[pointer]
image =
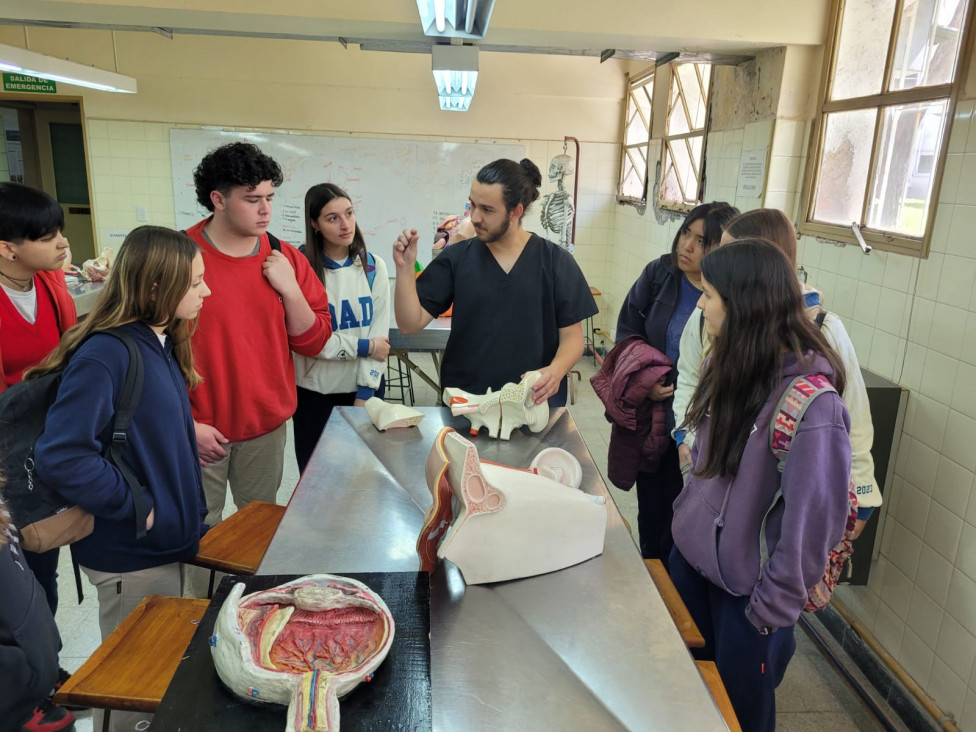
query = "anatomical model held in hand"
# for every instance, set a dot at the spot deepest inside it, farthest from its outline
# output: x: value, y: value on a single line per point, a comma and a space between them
x: 304, y: 644
x: 499, y: 523
x: 502, y: 411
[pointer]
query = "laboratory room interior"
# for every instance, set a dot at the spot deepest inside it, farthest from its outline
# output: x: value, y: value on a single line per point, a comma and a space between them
x: 853, y: 117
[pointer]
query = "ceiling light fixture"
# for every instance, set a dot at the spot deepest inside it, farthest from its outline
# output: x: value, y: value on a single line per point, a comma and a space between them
x: 455, y: 18
x: 456, y: 74
x: 31, y: 63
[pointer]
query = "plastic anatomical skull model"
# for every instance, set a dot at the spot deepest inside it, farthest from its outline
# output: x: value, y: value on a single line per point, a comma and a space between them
x: 502, y: 411
x: 304, y: 644
x: 499, y: 523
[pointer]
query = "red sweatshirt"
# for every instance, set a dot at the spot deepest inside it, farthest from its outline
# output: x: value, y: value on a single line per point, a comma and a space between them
x: 241, y: 345
x: 23, y: 345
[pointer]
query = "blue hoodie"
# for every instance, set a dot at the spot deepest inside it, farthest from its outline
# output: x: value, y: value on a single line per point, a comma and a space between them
x: 717, y: 520
x: 161, y: 449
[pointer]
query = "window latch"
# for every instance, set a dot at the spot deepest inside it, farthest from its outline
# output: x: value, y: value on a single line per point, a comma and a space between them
x: 865, y: 247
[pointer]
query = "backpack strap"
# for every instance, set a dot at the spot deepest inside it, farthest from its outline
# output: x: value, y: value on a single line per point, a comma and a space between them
x: 782, y: 427
x: 660, y: 277
x: 370, y: 270
x: 127, y: 406
x: 274, y: 241
x: 821, y: 317
x: 790, y: 410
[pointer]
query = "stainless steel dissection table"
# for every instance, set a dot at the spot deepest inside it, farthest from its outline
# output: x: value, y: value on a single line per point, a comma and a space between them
x: 591, y: 647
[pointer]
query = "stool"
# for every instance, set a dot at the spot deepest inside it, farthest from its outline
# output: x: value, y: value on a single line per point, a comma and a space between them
x: 398, y: 377
x: 709, y: 672
x: 676, y: 606
x: 237, y: 545
x: 133, y: 667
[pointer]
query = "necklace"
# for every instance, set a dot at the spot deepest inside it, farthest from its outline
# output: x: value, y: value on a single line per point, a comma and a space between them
x: 24, y: 285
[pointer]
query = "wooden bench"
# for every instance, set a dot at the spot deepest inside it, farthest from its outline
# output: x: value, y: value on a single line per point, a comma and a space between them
x: 713, y: 681
x: 132, y: 669
x: 237, y: 544
x: 676, y: 606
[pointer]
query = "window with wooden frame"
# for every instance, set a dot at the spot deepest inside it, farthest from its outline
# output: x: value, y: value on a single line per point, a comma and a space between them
x: 632, y: 187
x: 683, y: 145
x: 879, y: 144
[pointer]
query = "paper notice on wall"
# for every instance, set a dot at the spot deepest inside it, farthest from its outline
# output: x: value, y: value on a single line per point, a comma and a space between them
x: 113, y: 238
x: 752, y: 174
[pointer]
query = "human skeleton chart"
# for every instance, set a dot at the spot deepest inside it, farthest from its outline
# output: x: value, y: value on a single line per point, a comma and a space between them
x: 557, y: 207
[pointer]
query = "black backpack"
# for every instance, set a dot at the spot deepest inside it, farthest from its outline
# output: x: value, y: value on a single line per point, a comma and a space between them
x: 45, y: 519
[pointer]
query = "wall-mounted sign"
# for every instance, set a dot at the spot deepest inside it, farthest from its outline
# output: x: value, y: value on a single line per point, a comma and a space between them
x: 752, y: 174
x: 30, y: 84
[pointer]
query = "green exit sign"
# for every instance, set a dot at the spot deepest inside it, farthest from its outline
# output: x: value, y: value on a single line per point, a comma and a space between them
x: 31, y: 84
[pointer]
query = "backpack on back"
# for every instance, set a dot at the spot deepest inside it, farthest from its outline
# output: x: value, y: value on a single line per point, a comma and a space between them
x: 782, y: 428
x: 45, y: 519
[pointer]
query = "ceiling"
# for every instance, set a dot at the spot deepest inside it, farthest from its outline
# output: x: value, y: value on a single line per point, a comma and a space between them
x: 720, y: 31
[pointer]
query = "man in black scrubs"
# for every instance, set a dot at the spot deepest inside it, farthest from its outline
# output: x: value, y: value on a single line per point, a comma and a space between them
x: 519, y: 300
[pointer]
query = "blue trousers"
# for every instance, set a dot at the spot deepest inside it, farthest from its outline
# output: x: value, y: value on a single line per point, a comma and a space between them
x: 751, y: 665
x: 656, y: 493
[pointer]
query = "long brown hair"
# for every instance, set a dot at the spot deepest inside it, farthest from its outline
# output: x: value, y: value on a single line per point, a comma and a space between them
x: 764, y: 316
x: 770, y: 224
x: 151, y: 274
x: 315, y: 200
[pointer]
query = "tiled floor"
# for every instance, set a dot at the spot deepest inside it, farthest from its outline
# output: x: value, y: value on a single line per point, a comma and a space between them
x: 812, y: 696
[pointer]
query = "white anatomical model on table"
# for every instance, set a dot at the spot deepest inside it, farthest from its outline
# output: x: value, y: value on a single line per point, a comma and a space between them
x: 502, y: 411
x: 389, y: 416
x: 499, y: 523
x: 303, y: 644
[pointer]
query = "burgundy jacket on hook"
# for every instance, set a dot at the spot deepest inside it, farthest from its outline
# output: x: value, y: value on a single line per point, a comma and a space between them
x: 639, y: 436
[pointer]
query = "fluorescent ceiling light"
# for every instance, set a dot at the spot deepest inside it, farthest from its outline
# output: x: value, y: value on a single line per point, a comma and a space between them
x: 456, y: 74
x: 455, y: 18
x: 31, y: 63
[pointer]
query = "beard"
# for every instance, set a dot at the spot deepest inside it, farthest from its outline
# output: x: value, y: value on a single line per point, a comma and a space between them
x: 490, y: 236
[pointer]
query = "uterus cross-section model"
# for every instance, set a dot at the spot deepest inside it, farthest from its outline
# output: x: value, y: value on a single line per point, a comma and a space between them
x: 302, y: 644
x: 498, y: 523
x: 503, y: 411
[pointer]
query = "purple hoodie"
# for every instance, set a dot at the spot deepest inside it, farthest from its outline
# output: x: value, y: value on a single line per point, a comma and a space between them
x: 716, y: 520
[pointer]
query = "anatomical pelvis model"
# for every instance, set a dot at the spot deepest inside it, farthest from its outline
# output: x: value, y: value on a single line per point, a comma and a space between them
x: 499, y: 523
x: 304, y: 644
x: 502, y: 411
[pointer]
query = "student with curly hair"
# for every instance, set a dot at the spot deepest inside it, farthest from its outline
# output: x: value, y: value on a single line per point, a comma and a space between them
x: 267, y: 302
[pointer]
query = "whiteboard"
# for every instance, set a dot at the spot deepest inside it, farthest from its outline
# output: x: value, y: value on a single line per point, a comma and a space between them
x: 393, y: 184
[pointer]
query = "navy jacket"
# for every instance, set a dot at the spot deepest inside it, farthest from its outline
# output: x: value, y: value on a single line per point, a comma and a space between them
x: 161, y: 449
x: 28, y: 637
x: 639, y: 315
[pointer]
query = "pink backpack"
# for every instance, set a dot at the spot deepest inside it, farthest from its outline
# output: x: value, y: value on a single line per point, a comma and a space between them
x: 800, y: 394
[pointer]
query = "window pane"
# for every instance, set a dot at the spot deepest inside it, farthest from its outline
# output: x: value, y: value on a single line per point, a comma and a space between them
x: 928, y: 39
x: 862, y: 51
x: 636, y: 129
x: 633, y: 172
x: 844, y: 167
x: 677, y: 119
x: 901, y: 185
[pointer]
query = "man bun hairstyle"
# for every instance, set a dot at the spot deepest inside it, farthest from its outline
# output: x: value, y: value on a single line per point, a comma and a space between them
x: 233, y: 165
x: 519, y: 181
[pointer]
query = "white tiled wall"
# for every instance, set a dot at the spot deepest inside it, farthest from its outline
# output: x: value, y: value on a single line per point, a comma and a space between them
x: 914, y: 321
x: 130, y: 167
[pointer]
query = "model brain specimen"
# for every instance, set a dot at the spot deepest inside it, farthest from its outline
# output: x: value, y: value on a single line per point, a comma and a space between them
x: 304, y: 644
